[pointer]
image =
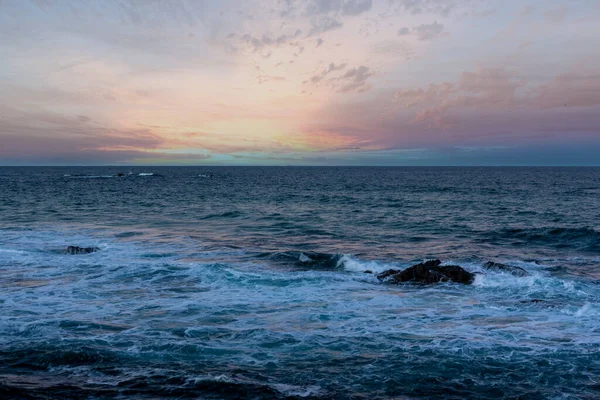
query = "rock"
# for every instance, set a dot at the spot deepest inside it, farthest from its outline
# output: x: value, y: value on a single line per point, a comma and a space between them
x: 367, y: 271
x: 80, y: 250
x: 427, y: 273
x: 457, y: 274
x: 494, y: 266
x: 387, y: 273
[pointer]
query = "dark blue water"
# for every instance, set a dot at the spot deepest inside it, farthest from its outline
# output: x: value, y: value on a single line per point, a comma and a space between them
x: 250, y: 283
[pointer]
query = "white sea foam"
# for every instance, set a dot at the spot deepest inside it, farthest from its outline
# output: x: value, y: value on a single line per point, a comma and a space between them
x: 241, y: 312
x: 353, y: 264
x: 300, y: 391
x: 588, y: 310
x: 12, y: 251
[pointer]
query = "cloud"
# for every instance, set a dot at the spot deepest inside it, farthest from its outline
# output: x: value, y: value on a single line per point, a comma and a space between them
x: 80, y: 131
x: 267, y: 78
x: 556, y: 15
x: 323, y: 6
x: 56, y: 139
x: 424, y: 31
x: 496, y: 90
x: 403, y: 31
x: 527, y: 11
x: 393, y: 49
x: 569, y: 90
x: 266, y: 41
x: 488, y: 12
x: 344, y: 7
x: 331, y: 68
x: 355, y: 79
x: 415, y: 7
x: 485, y: 88
x: 323, y: 24
x: 428, y: 31
x: 356, y: 7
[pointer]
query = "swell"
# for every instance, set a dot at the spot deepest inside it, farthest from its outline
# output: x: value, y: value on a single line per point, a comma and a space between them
x: 46, y: 372
x: 304, y: 259
x: 582, y: 239
x: 151, y: 387
x: 403, y: 365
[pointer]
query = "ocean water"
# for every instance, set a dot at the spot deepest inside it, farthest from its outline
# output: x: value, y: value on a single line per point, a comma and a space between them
x: 254, y: 282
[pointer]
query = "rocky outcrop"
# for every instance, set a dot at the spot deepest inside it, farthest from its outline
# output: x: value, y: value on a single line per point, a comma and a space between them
x: 80, y: 250
x: 497, y: 267
x: 427, y: 273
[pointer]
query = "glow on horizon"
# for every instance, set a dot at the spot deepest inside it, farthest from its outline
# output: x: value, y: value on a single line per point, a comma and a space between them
x: 316, y: 82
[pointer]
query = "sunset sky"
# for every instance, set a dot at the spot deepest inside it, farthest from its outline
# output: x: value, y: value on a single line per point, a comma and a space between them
x: 282, y: 82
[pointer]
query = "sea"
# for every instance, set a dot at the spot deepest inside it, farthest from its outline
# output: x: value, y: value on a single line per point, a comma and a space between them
x: 261, y: 283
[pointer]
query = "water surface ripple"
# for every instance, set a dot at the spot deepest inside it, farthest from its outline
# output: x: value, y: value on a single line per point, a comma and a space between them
x: 204, y: 286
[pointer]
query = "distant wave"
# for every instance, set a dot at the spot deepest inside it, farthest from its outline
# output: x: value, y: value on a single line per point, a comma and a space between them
x: 89, y: 176
x: 227, y: 214
x: 585, y: 238
x: 308, y: 259
x: 119, y: 175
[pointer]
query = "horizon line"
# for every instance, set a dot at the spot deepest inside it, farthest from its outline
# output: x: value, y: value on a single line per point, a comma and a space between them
x: 297, y: 166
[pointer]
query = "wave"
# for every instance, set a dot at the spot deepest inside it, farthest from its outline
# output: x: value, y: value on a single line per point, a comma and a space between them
x: 119, y: 175
x: 227, y: 214
x: 164, y: 386
x: 584, y: 239
x: 55, y: 372
x: 89, y: 176
x: 328, y: 261
x: 308, y: 259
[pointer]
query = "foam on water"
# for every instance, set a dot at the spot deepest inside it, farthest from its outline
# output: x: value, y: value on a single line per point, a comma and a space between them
x: 252, y: 316
x: 353, y: 264
x: 245, y: 298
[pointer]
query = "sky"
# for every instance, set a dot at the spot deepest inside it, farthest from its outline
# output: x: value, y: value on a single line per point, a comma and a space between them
x: 316, y: 82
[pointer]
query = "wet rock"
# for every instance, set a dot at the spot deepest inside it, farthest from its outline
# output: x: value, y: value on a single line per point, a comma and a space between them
x: 457, y: 274
x: 428, y: 272
x: 387, y: 273
x: 498, y: 267
x: 367, y: 271
x: 80, y: 250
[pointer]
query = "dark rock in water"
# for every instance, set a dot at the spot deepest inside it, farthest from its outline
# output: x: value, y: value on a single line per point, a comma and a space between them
x: 80, y: 250
x: 494, y: 266
x: 457, y: 274
x: 367, y: 271
x: 533, y: 301
x: 386, y: 274
x: 427, y: 273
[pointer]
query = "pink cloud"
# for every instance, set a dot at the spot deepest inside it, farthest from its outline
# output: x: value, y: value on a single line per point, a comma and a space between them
x: 569, y: 90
